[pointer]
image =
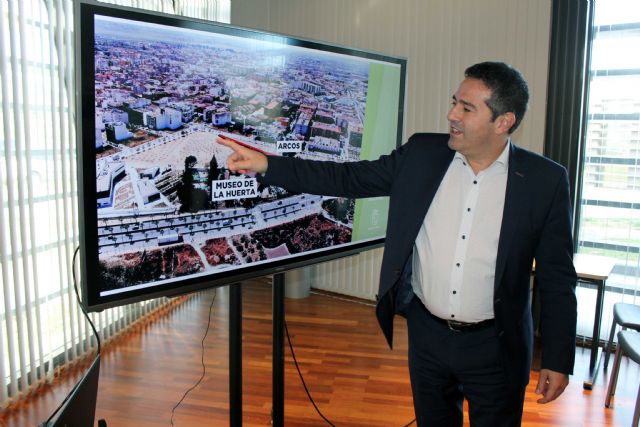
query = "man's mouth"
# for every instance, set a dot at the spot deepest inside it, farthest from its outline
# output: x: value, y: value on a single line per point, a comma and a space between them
x: 454, y: 131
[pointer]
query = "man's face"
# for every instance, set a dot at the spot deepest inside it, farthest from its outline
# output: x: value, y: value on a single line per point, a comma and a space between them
x: 472, y: 132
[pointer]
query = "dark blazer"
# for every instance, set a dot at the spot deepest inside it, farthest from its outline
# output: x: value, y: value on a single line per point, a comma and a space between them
x: 536, y: 224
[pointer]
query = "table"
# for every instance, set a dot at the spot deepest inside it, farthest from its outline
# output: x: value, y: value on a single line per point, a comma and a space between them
x: 594, y: 269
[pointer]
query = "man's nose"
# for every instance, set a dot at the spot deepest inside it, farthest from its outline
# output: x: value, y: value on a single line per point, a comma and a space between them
x: 453, y: 114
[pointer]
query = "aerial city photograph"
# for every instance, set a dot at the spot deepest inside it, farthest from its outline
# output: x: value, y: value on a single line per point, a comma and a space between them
x: 167, y: 206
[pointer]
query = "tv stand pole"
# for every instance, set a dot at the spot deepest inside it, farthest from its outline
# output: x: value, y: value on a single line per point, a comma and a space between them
x: 235, y: 355
x: 277, y: 409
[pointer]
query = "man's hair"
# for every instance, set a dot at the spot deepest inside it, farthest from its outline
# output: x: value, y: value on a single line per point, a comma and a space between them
x: 509, y: 90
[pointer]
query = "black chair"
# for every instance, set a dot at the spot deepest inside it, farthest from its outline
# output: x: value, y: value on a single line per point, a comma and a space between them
x: 625, y: 315
x: 629, y: 345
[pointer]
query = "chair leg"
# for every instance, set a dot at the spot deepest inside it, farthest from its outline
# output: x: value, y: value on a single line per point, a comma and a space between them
x: 609, y: 344
x: 636, y: 413
x: 611, y: 390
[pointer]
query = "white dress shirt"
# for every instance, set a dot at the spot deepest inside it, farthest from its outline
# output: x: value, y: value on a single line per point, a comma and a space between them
x: 454, y: 256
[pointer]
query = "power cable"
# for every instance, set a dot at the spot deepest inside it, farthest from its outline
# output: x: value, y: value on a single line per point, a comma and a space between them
x: 204, y: 368
x: 304, y: 384
x: 95, y: 332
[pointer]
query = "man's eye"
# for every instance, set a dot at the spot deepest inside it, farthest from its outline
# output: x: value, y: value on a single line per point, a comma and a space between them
x: 466, y: 109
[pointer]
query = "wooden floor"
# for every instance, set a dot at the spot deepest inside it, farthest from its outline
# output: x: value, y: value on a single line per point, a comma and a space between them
x: 354, y: 378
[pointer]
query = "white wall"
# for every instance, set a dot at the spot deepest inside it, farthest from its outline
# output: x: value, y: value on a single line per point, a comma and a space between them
x: 440, y: 38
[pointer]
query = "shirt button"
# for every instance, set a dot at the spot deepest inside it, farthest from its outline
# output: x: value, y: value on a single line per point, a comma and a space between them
x: 468, y: 209
x: 453, y: 315
x: 457, y: 264
x: 455, y: 292
x: 475, y: 182
x: 464, y: 237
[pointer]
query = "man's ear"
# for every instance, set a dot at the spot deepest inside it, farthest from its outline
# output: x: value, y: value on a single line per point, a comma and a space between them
x: 504, y: 122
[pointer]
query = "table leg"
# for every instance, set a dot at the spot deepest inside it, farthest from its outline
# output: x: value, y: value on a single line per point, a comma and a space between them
x: 594, y: 359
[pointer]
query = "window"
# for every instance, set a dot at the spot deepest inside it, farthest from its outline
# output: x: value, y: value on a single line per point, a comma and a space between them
x: 610, y: 199
x: 41, y: 325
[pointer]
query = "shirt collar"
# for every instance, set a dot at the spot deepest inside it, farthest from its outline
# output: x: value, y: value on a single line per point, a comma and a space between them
x: 502, y: 162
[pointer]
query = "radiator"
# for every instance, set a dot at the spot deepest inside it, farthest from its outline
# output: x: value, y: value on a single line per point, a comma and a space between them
x: 355, y: 276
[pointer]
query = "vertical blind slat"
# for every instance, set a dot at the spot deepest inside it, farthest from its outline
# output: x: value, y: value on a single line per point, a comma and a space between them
x: 55, y: 106
x: 26, y: 200
x: 63, y: 96
x: 19, y: 251
x: 17, y: 352
x: 55, y: 25
x: 43, y: 356
x: 84, y: 331
x: 3, y: 252
x: 3, y: 228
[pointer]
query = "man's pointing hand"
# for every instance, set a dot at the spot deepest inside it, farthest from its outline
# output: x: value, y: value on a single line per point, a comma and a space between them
x: 243, y: 159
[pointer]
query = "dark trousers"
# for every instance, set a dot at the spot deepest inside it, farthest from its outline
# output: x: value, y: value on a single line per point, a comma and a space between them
x: 446, y: 367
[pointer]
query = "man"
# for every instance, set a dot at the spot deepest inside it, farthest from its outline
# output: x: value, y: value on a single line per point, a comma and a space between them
x: 469, y: 212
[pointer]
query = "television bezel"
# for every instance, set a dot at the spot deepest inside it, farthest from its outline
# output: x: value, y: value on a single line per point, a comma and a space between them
x: 85, y: 79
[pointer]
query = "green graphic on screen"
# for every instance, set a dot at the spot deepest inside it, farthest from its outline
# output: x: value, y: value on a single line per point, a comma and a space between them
x: 370, y: 217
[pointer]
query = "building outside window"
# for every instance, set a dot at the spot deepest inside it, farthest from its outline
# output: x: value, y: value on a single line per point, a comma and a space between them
x: 609, y: 202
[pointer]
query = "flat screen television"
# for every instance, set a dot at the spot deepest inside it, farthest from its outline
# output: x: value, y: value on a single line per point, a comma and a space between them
x: 79, y: 408
x: 160, y: 213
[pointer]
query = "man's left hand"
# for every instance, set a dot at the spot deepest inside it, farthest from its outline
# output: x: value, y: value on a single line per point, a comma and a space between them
x: 551, y: 384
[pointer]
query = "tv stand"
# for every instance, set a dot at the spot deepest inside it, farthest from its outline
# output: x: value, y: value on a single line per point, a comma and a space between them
x: 235, y: 353
x: 277, y: 393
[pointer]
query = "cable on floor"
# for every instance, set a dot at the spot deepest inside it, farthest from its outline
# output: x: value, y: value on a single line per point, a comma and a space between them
x: 304, y: 384
x: 204, y: 368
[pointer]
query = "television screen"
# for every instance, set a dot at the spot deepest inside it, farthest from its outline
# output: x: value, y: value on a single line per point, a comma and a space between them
x: 160, y: 213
